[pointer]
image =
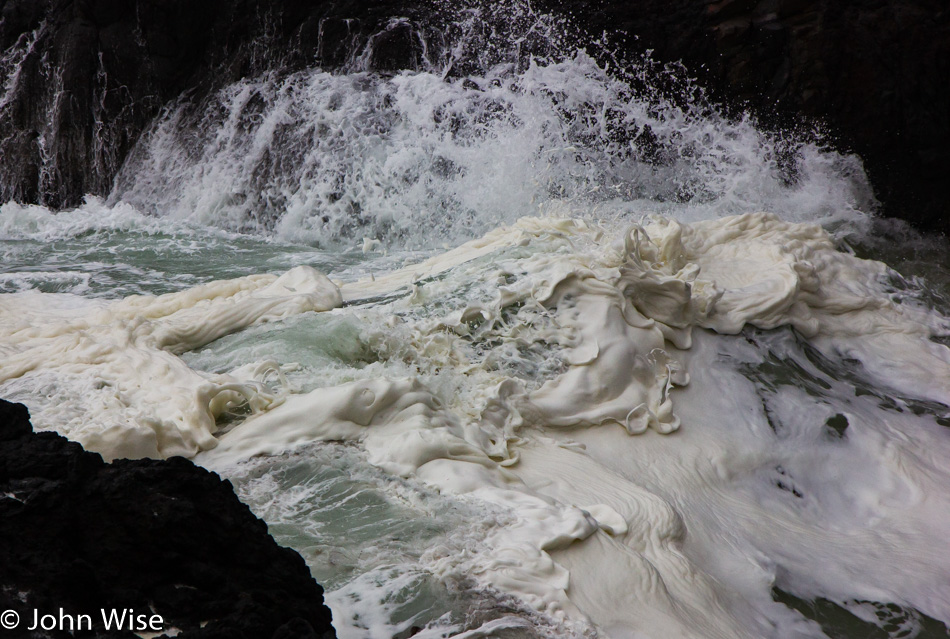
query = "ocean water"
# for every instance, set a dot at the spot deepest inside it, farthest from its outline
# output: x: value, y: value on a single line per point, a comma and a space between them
x: 530, y: 341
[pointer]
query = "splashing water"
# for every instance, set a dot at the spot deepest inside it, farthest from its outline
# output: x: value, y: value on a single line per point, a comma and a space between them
x: 325, y: 158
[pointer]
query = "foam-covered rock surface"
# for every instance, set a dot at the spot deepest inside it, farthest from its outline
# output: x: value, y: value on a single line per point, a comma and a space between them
x: 160, y: 537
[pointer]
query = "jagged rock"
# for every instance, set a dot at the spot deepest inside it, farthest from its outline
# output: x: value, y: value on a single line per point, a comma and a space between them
x: 156, y: 536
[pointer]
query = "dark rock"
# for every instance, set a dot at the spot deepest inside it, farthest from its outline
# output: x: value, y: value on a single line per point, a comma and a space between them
x: 86, y: 77
x: 163, y: 536
x: 398, y: 46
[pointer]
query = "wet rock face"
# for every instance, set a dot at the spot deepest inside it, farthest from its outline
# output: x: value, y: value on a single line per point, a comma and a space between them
x: 163, y: 537
x: 81, y: 79
x: 91, y: 74
x: 874, y: 71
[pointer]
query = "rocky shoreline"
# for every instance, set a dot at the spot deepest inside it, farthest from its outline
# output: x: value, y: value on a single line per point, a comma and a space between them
x: 168, y: 538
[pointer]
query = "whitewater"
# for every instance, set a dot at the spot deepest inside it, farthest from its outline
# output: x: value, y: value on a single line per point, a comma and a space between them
x: 533, y: 349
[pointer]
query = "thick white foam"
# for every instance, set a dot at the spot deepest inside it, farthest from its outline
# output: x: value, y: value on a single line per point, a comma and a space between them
x: 139, y: 399
x: 526, y: 391
x: 638, y: 535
